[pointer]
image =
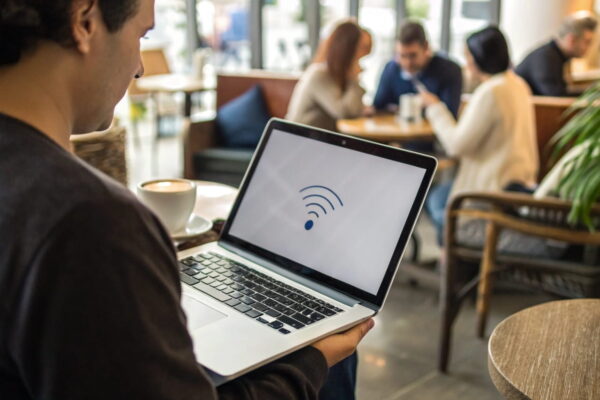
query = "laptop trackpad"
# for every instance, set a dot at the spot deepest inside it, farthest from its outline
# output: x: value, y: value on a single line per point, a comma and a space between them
x: 198, y: 313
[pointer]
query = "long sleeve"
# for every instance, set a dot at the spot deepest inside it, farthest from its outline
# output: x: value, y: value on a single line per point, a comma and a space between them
x: 452, y: 90
x: 337, y: 103
x: 102, y: 319
x: 385, y: 90
x: 463, y: 137
x: 297, y: 376
x: 549, y: 78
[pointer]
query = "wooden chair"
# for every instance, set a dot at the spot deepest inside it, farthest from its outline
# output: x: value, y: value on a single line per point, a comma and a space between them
x: 526, y: 217
x: 104, y: 150
x: 155, y: 63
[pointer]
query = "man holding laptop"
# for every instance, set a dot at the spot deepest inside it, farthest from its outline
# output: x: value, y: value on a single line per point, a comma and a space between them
x: 92, y: 303
x: 89, y: 281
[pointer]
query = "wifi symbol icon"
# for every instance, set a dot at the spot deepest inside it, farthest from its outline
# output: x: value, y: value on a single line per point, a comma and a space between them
x: 318, y: 200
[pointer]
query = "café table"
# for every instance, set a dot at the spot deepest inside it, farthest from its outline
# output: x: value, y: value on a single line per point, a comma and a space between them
x: 213, y: 202
x: 386, y: 128
x: 550, y: 351
x: 175, y: 83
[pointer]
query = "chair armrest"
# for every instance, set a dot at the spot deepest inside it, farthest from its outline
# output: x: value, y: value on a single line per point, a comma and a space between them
x: 544, y: 217
x: 198, y: 134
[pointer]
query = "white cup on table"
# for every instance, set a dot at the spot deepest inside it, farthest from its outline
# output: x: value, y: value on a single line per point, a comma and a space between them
x: 172, y: 200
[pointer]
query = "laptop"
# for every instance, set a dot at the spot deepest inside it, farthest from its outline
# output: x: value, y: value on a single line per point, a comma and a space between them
x: 310, y: 248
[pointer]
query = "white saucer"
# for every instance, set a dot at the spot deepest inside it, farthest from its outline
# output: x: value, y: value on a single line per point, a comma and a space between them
x: 196, y: 226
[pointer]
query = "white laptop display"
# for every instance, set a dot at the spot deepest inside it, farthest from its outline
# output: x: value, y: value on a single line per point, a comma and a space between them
x: 310, y: 248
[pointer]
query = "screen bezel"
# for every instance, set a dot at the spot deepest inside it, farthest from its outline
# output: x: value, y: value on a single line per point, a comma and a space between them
x: 426, y: 162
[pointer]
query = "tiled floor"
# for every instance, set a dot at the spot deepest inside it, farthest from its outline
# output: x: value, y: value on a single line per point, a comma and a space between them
x: 398, y: 357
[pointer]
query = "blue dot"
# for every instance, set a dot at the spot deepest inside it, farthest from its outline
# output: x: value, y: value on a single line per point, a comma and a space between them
x: 308, y: 225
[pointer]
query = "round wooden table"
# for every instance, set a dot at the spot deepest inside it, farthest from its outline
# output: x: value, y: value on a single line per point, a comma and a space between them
x: 550, y: 352
x: 173, y: 83
x: 386, y: 128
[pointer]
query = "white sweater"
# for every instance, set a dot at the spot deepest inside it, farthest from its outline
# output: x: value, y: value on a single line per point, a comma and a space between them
x: 494, y: 139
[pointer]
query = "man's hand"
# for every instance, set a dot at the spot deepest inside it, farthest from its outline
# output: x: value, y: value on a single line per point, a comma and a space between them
x: 339, y: 346
x: 427, y: 97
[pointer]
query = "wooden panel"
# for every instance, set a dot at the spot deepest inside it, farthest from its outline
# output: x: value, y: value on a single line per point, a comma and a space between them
x: 549, y: 118
x: 277, y: 89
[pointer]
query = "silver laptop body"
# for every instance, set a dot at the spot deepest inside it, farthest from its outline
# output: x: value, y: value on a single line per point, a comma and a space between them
x: 311, y: 246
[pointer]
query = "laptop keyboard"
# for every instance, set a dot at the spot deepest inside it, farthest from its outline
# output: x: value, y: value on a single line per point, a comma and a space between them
x: 259, y: 296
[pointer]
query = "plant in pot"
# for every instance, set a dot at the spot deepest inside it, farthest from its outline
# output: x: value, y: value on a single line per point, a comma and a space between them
x: 580, y: 181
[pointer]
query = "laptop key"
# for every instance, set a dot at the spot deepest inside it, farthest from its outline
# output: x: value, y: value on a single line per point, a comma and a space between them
x: 260, y: 307
x: 288, y: 311
x: 243, y: 308
x: 316, y: 317
x: 232, y: 302
x: 190, y: 271
x: 272, y: 313
x: 215, y: 284
x: 305, y: 320
x: 247, y: 292
x: 262, y: 320
x: 247, y: 300
x: 298, y: 307
x: 290, y: 321
x: 236, y: 295
x: 253, y: 313
x: 211, y: 291
x: 275, y: 324
x: 208, y: 281
x: 284, y: 331
x: 227, y: 290
x: 325, y: 311
x: 188, y: 261
x: 258, y: 297
x: 188, y: 279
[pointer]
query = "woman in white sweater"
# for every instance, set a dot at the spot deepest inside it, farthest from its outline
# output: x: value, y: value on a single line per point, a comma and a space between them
x: 329, y: 89
x: 495, y: 139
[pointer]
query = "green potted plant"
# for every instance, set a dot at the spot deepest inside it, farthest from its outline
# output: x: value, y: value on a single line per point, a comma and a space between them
x: 581, y: 181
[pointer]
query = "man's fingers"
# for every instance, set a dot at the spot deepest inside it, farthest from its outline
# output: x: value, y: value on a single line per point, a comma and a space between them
x: 359, y: 331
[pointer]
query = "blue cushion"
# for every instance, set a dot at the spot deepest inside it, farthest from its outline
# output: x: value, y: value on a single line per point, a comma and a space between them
x: 240, y: 122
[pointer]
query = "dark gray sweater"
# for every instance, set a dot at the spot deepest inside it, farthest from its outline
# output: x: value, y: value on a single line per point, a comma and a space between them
x: 90, y: 295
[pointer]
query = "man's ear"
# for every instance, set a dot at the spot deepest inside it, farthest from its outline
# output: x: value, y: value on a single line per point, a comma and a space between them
x: 85, y: 21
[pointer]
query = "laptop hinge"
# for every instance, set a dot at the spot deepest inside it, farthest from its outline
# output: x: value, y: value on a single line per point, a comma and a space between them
x: 332, y: 293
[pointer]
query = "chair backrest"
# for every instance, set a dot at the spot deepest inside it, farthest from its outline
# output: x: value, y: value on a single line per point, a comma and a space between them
x: 155, y: 63
x: 549, y: 118
x: 104, y: 150
x: 277, y: 88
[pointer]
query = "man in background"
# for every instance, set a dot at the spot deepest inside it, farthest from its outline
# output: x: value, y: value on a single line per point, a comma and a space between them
x: 416, y: 64
x: 544, y: 68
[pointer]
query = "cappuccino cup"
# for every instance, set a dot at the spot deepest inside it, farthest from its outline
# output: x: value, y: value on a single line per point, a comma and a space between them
x: 172, y: 200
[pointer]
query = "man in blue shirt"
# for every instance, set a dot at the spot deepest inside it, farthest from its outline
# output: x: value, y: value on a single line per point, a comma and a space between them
x: 416, y: 64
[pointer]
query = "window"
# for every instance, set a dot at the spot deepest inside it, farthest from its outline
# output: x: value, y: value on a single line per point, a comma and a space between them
x: 224, y: 27
x: 429, y: 13
x: 169, y: 32
x: 285, y: 35
x: 332, y: 11
x: 468, y: 16
x: 379, y: 17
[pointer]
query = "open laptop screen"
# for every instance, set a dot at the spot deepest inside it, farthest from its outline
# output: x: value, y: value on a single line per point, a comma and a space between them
x: 335, y: 210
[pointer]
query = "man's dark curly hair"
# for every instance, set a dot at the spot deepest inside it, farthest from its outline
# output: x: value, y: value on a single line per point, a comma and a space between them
x: 25, y: 22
